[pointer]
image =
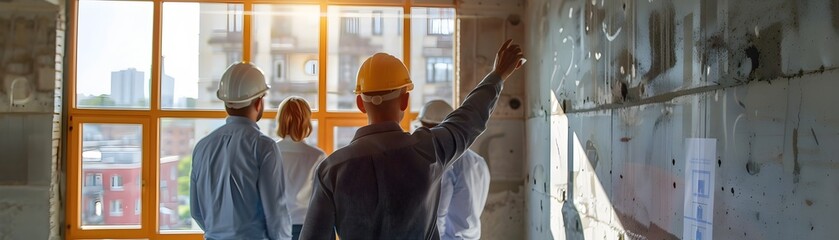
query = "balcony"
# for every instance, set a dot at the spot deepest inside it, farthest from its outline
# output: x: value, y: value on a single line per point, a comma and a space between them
x: 91, y: 191
x: 224, y: 37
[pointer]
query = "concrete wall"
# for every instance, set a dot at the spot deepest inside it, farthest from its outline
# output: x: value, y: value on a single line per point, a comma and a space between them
x: 483, y: 27
x: 30, y: 118
x: 622, y: 85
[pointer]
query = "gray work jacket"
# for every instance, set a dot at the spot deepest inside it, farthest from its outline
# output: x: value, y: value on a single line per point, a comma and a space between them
x: 386, y: 183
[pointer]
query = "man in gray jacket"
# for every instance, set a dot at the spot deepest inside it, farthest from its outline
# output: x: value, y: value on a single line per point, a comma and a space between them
x: 386, y: 183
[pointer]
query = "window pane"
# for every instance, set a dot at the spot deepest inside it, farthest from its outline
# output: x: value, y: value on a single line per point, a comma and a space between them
x: 269, y: 127
x: 177, y: 139
x: 286, y: 40
x: 432, y: 54
x: 343, y: 136
x: 199, y: 41
x: 112, y: 165
x: 114, y: 61
x: 351, y: 39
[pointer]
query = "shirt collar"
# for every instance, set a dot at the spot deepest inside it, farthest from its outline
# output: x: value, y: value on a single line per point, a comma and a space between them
x: 241, y: 120
x: 288, y: 140
x: 376, y: 128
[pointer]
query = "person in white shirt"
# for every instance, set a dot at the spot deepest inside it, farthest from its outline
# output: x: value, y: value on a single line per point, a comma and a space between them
x: 299, y: 159
x: 464, y: 187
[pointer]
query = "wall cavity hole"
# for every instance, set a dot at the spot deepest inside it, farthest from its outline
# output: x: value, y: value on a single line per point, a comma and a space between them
x: 514, y: 19
x: 515, y: 103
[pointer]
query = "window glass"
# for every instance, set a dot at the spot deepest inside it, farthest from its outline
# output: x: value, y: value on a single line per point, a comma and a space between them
x: 432, y: 55
x: 286, y: 40
x: 178, y: 137
x: 199, y: 41
x: 343, y: 135
x: 109, y: 74
x: 113, y: 151
x: 351, y: 39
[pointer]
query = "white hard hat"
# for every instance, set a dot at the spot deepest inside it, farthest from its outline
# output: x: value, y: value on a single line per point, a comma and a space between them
x: 241, y: 83
x: 434, y: 111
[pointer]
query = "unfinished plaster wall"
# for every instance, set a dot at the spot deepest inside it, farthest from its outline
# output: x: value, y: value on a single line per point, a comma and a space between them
x: 31, y: 54
x: 621, y: 85
x: 483, y: 27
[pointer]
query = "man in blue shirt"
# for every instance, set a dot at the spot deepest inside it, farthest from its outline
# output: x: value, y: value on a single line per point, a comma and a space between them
x: 236, y: 185
x: 464, y: 187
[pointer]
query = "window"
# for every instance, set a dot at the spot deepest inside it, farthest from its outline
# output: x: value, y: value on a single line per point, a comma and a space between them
x: 234, y: 23
x: 378, y: 23
x: 432, y: 65
x: 289, y: 51
x: 440, y: 21
x: 311, y: 67
x: 399, y: 26
x: 197, y: 46
x: 97, y: 206
x: 116, y: 208
x: 164, y: 191
x: 439, y: 69
x: 100, y: 82
x: 143, y: 96
x: 137, y: 207
x: 116, y: 182
x: 349, y: 24
x: 93, y: 180
x: 278, y: 71
x: 348, y: 49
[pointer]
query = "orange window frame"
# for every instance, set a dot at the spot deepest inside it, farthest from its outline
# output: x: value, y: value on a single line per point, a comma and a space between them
x: 149, y: 118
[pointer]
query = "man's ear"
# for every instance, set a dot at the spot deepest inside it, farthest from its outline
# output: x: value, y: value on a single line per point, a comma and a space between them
x: 258, y: 104
x: 404, y: 100
x: 360, y: 104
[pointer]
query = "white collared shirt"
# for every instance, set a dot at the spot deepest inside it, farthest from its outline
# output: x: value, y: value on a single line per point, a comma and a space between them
x: 299, y: 162
x: 463, y: 193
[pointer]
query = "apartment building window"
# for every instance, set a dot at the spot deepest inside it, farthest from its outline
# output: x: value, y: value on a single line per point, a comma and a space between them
x: 93, y: 179
x: 440, y: 21
x: 349, y: 23
x: 234, y: 23
x: 311, y: 67
x: 116, y: 182
x: 279, y: 70
x: 116, y: 208
x: 439, y: 69
x: 164, y: 190
x: 137, y: 118
x: 137, y: 207
x: 378, y: 23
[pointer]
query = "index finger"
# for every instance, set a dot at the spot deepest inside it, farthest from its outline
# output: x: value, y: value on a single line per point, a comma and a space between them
x: 505, y: 45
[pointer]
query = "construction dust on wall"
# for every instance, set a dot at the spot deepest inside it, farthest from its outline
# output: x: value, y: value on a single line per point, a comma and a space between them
x: 634, y: 80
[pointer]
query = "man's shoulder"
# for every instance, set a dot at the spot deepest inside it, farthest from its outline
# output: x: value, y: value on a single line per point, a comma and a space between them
x: 472, y: 154
x: 469, y: 159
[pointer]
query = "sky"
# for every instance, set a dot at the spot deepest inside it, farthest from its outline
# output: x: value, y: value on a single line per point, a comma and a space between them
x: 115, y: 36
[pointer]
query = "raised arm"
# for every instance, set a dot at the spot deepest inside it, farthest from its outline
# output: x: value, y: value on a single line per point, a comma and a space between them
x: 457, y: 132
